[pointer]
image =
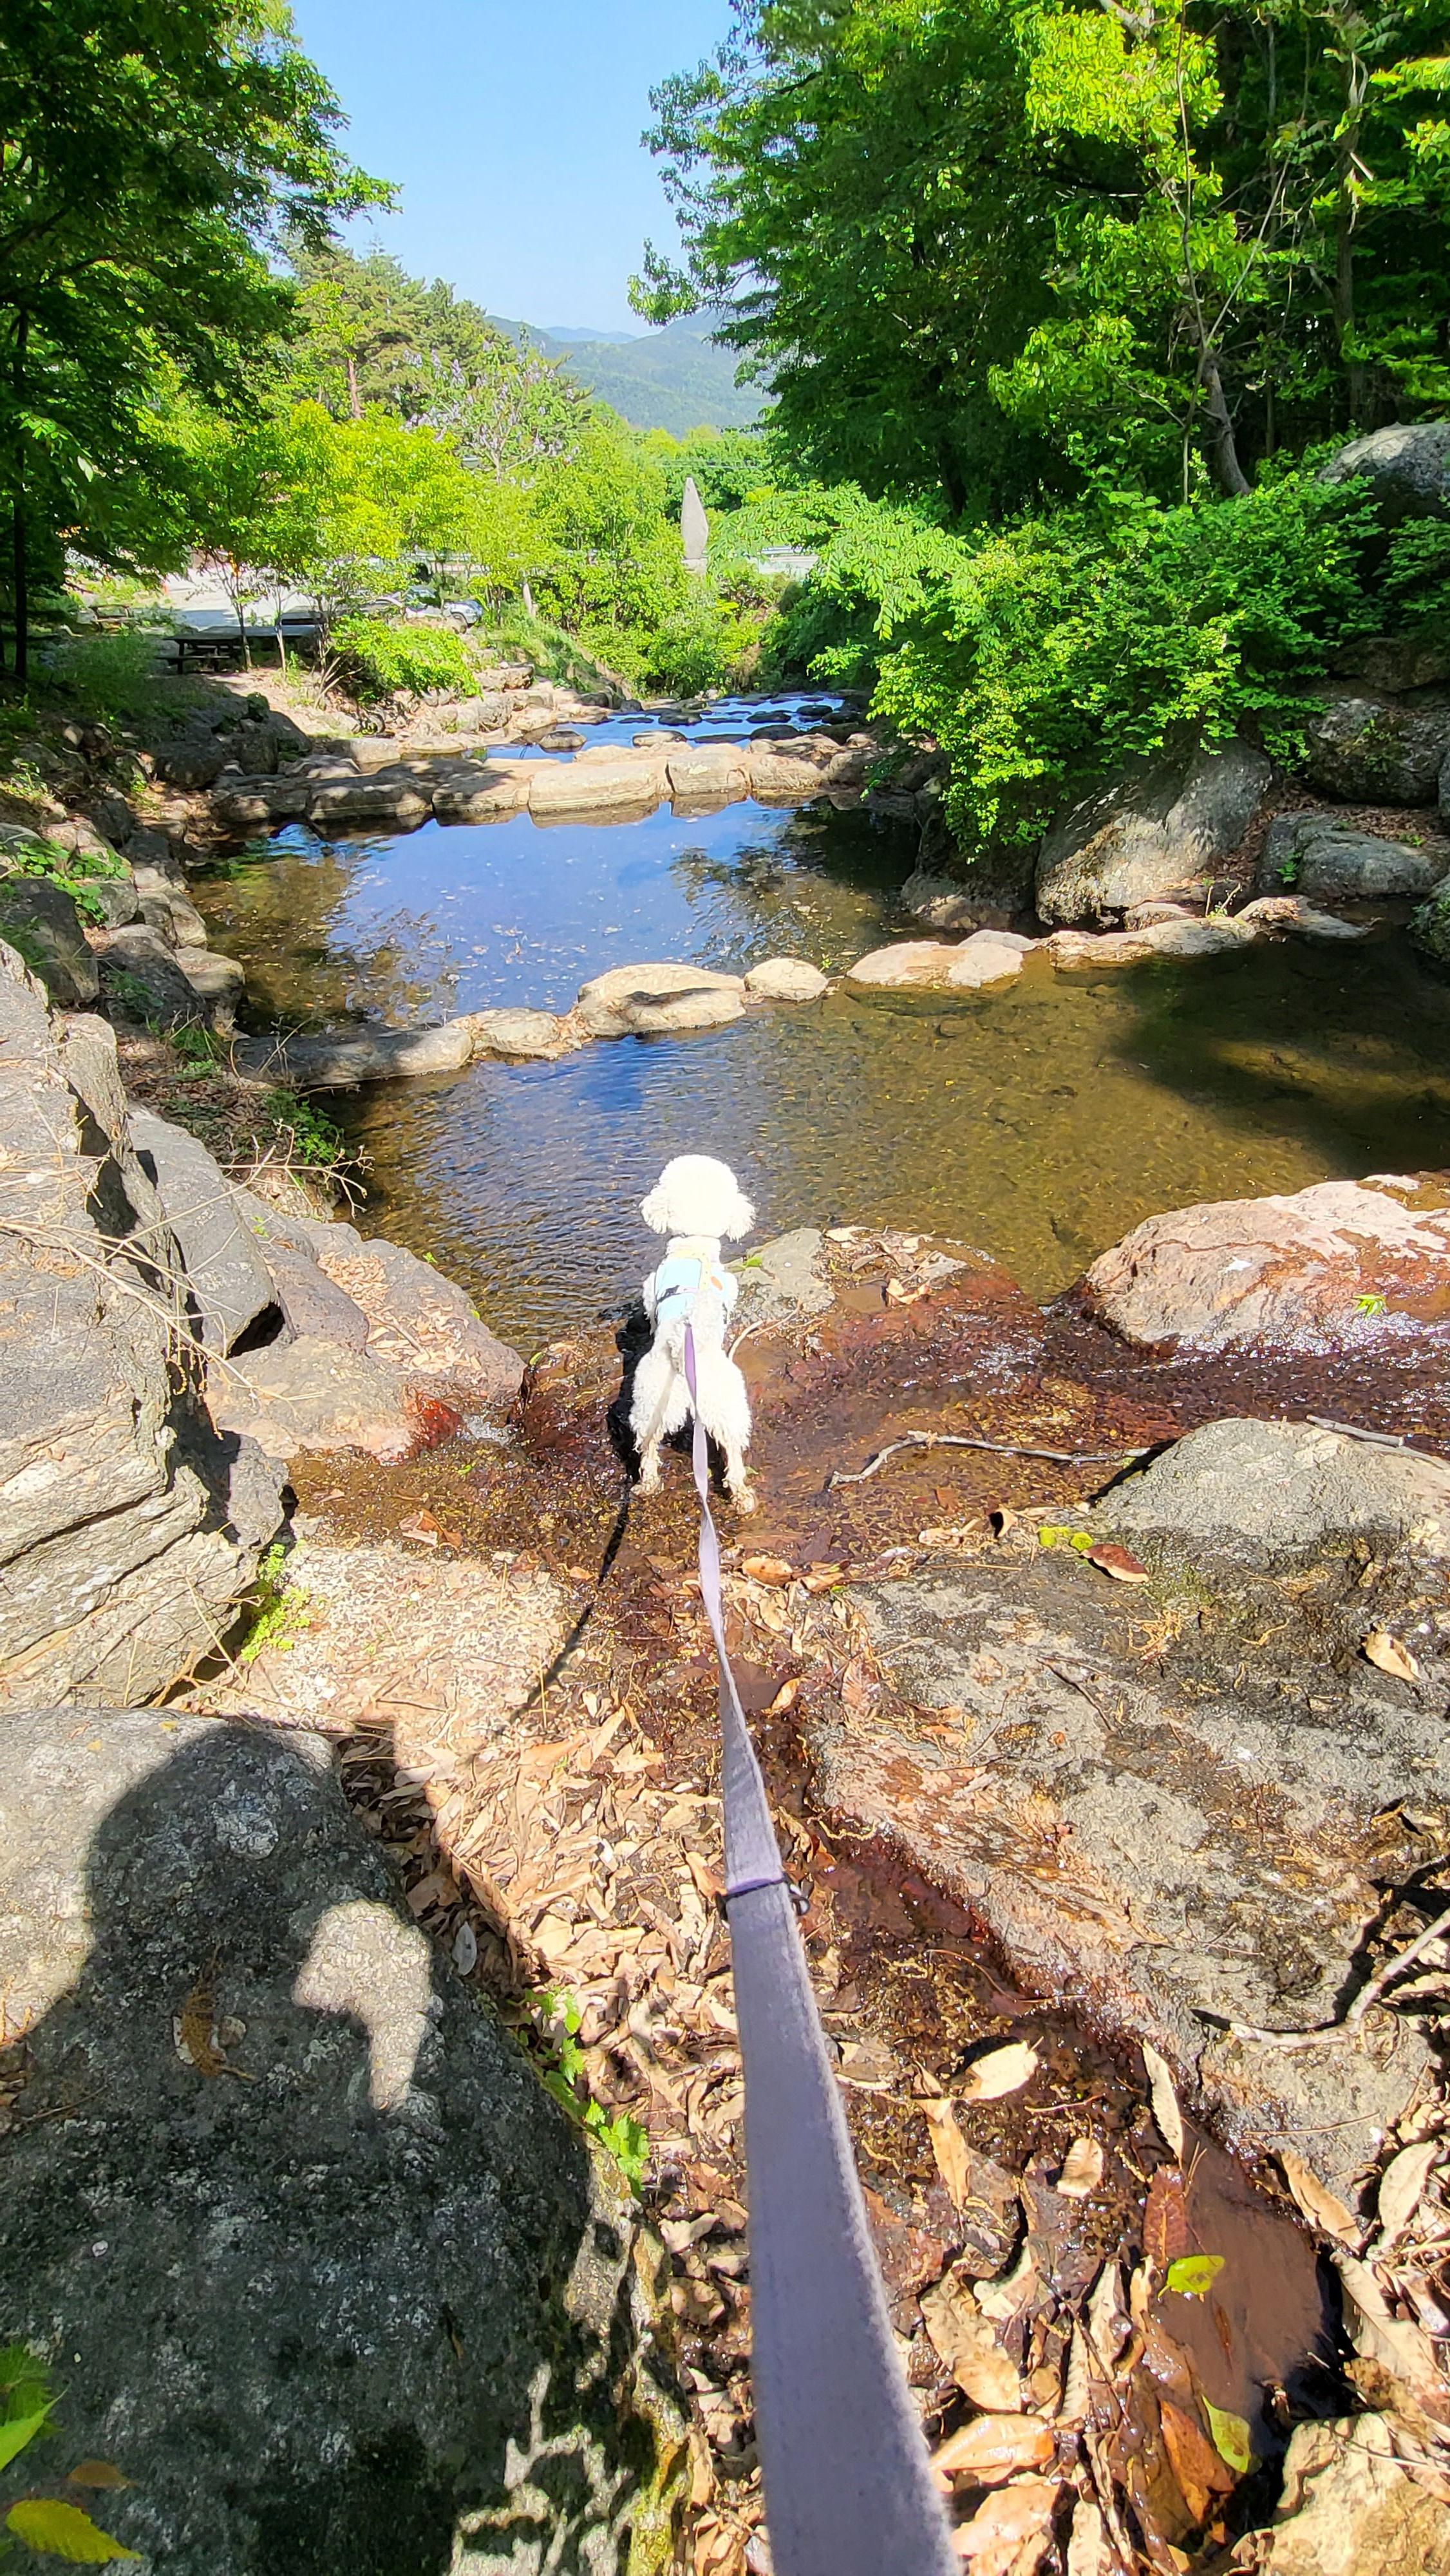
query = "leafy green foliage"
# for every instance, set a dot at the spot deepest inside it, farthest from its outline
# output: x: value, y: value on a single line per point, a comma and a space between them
x: 375, y: 659
x: 274, y: 1609
x: 51, y: 2525
x: 1193, y: 2275
x: 705, y: 643
x: 74, y: 871
x: 556, y: 2022
x: 609, y: 564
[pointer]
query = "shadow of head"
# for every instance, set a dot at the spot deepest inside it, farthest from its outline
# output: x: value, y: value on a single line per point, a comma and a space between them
x: 321, y: 2265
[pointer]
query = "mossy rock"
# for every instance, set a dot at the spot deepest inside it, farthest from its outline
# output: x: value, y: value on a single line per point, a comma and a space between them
x: 1430, y: 926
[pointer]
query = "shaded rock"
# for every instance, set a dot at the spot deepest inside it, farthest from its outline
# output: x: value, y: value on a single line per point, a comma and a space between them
x: 1418, y: 659
x: 954, y: 889
x: 161, y: 892
x: 1430, y: 926
x: 1291, y: 912
x: 606, y: 782
x: 786, y: 979
x: 316, y: 1395
x: 1329, y: 862
x: 290, y: 2266
x: 41, y: 920
x: 1270, y: 1490
x: 395, y: 796
x: 562, y: 738
x: 195, y: 761
x: 217, y: 983
x: 127, y: 1528
x: 1347, y: 2505
x: 1407, y: 468
x: 310, y: 1301
x: 788, y: 769
x: 1310, y: 1270
x: 418, y: 1321
x: 492, y: 790
x: 228, y: 1281
x: 483, y: 714
x: 117, y: 900
x: 634, y: 1001
x: 1179, y: 936
x: 335, y: 1059
x: 143, y: 979
x: 239, y: 802
x: 1368, y: 750
x: 520, y: 1033
x: 709, y: 773
x: 1154, y: 830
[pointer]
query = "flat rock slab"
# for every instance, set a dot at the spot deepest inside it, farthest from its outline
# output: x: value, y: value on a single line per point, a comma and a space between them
x: 1179, y: 1842
x: 1080, y: 951
x: 1310, y: 1270
x: 1290, y: 912
x: 521, y: 1033
x: 321, y: 2266
x: 317, y: 1394
x: 419, y: 1321
x: 786, y: 979
x: 654, y: 1000
x: 596, y: 783
x: 940, y: 963
x: 336, y: 1059
x: 1267, y: 1490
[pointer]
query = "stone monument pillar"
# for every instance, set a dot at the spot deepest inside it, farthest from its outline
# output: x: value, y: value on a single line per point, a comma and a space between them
x: 694, y: 527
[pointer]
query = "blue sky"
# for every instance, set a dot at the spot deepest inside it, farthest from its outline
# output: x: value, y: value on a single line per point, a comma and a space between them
x: 513, y: 134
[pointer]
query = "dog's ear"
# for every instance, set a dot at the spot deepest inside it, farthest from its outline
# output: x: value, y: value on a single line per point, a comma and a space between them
x: 739, y: 1219
x: 656, y: 1210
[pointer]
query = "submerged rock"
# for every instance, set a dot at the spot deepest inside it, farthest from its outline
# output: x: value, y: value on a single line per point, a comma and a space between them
x: 325, y: 2270
x: 1310, y: 1270
x: 335, y: 1059
x: 988, y: 957
x: 1181, y: 935
x: 1155, y: 830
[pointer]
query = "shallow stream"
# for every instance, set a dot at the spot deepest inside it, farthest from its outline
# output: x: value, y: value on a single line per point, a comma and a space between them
x: 1038, y: 1122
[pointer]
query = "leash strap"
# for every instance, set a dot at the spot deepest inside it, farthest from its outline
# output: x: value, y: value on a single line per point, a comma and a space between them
x: 847, y: 2488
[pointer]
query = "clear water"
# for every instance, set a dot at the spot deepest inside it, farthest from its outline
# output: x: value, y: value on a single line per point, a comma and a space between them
x: 1038, y: 1122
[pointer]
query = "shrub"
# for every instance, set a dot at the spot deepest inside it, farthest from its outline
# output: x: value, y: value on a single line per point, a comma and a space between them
x: 703, y: 644
x: 114, y: 677
x: 23, y: 855
x: 375, y: 659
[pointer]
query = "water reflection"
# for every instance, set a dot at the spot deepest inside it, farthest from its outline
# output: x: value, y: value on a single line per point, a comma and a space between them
x: 1038, y: 1122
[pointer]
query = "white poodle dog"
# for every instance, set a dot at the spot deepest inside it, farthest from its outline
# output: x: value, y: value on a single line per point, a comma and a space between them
x: 696, y: 1202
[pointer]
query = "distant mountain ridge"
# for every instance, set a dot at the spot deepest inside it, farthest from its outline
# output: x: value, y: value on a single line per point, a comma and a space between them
x: 675, y: 379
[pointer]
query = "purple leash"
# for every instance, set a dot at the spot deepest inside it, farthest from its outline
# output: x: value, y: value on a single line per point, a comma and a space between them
x: 848, y: 2490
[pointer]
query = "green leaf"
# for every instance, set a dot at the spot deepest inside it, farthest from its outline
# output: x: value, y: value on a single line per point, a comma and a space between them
x: 20, y: 2430
x: 1194, y: 2274
x: 1230, y: 2437
x: 63, y: 2531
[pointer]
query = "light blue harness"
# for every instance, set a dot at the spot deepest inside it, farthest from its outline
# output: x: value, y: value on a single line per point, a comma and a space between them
x: 678, y: 1283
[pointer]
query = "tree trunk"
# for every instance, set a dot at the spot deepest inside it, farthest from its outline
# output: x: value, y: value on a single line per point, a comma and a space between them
x: 19, y: 558
x: 1356, y: 373
x: 353, y: 396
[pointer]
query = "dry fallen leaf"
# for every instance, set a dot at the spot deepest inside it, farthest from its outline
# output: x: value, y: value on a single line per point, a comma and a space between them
x: 993, y: 2447
x: 1114, y: 1560
x: 961, y: 2335
x: 1006, y: 2297
x: 1165, y: 2101
x: 994, y: 2540
x: 822, y: 1578
x: 1403, y: 2350
x: 950, y: 2150
x: 1082, y: 2169
x: 1196, y: 2464
x: 1001, y: 2071
x: 1165, y: 2219
x: 1087, y: 2547
x: 1316, y: 2201
x: 1387, y: 1653
x: 1401, y: 2186
x: 786, y: 1697
x: 768, y: 1569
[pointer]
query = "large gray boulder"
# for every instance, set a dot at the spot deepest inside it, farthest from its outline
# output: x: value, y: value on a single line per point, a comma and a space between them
x: 1340, y: 1263
x: 1327, y: 861
x: 322, y: 2267
x: 337, y: 1059
x: 128, y: 1527
x: 143, y: 979
x: 1281, y: 1489
x: 1364, y: 749
x: 1155, y: 830
x: 657, y: 1000
x: 42, y: 922
x: 1407, y: 468
x: 230, y: 1287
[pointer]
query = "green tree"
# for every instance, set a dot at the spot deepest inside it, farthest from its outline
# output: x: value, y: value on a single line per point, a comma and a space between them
x: 150, y: 160
x: 609, y: 566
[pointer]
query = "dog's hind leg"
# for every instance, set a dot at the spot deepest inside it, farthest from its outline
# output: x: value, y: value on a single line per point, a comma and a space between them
x: 660, y: 1405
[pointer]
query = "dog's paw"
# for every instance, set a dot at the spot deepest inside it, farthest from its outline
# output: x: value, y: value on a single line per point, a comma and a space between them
x: 744, y: 1500
x: 649, y: 1480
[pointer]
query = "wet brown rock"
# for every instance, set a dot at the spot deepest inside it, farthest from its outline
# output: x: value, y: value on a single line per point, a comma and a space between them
x: 605, y: 782
x: 1311, y: 1269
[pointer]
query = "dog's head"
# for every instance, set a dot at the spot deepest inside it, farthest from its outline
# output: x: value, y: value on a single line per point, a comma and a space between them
x: 696, y: 1195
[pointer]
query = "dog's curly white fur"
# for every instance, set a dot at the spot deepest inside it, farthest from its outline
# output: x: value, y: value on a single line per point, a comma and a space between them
x: 697, y: 1203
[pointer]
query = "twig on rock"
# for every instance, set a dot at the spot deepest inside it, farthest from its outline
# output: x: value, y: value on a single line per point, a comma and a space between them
x: 997, y: 1449
x: 1328, y: 2034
